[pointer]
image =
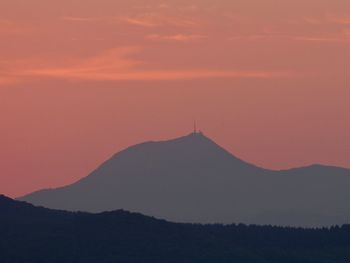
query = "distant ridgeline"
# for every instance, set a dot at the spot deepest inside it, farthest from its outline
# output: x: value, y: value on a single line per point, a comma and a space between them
x: 193, y: 180
x: 31, y: 234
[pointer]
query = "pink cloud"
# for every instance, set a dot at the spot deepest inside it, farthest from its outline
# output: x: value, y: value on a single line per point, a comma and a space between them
x: 321, y: 39
x: 251, y: 37
x: 81, y: 19
x: 142, y: 20
x: 117, y: 64
x: 150, y: 75
x: 339, y: 20
x: 328, y: 19
x: 177, y: 37
x: 157, y: 20
x: 345, y: 37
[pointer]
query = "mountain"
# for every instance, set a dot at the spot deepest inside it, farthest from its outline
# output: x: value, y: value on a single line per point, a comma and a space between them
x: 192, y: 179
x: 31, y: 234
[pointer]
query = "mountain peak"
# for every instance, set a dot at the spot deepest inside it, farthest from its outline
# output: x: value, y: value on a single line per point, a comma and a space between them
x: 156, y: 172
x: 188, y: 146
x: 192, y: 147
x: 190, y: 136
x: 193, y: 179
x: 197, y: 134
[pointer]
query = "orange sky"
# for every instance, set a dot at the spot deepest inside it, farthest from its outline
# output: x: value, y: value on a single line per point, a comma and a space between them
x: 82, y: 79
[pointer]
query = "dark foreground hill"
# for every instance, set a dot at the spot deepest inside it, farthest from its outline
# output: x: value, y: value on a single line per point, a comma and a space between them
x: 192, y: 179
x: 39, y: 235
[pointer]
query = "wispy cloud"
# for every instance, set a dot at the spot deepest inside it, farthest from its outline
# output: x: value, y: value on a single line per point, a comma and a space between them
x: 117, y: 64
x: 251, y: 37
x: 312, y: 38
x: 149, y: 75
x: 157, y: 20
x: 327, y: 19
x: 141, y: 20
x: 111, y: 61
x: 341, y: 20
x: 81, y: 19
x: 321, y: 39
x: 177, y: 37
x: 144, y: 22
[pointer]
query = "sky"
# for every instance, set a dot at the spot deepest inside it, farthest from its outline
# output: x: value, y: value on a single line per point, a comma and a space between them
x: 82, y: 79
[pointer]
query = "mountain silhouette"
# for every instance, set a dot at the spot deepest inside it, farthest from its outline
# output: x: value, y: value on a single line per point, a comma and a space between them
x: 30, y: 234
x: 192, y: 179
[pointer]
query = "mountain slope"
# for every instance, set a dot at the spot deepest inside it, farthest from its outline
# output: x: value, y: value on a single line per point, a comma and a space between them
x: 32, y: 234
x: 192, y: 179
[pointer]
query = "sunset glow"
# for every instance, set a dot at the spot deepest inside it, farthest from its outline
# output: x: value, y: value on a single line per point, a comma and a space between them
x: 267, y: 79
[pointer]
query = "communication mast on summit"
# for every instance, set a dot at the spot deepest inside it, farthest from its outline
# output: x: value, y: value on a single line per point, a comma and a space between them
x: 195, y: 129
